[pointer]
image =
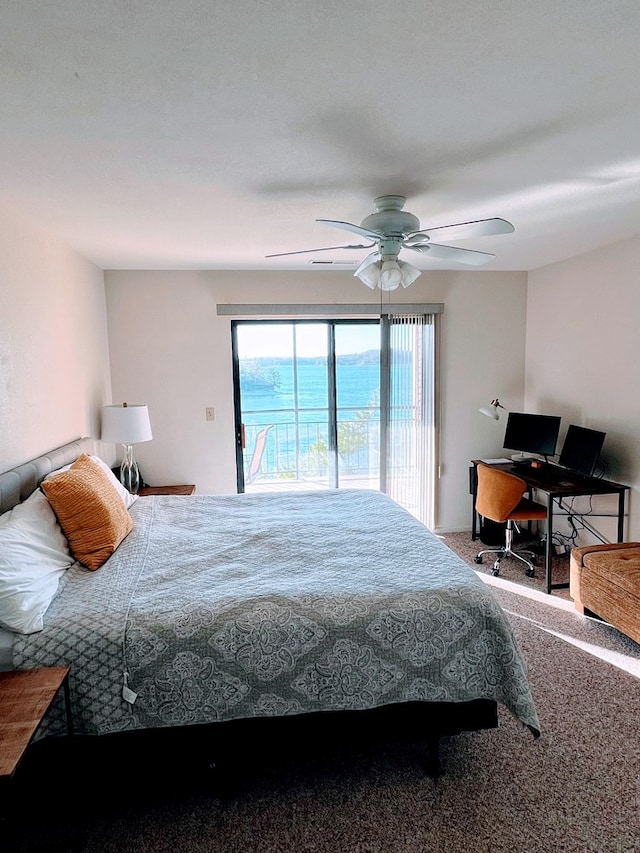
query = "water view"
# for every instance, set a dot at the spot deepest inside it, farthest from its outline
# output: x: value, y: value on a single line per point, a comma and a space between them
x: 291, y: 398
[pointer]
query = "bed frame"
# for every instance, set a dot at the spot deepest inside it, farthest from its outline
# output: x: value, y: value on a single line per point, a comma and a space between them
x: 429, y: 721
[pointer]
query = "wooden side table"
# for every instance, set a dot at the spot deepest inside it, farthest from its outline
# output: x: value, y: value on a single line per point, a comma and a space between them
x: 167, y: 490
x: 25, y: 697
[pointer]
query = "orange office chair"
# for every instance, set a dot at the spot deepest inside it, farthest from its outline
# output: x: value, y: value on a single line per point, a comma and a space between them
x: 500, y: 498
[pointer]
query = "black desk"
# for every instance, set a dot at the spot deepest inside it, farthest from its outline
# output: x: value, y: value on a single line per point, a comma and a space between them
x: 556, y: 483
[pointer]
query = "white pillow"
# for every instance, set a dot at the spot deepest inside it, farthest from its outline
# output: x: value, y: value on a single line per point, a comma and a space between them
x: 125, y: 494
x: 34, y: 555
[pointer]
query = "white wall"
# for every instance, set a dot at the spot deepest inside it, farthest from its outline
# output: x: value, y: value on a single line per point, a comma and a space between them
x: 54, y: 358
x: 169, y: 349
x: 582, y: 359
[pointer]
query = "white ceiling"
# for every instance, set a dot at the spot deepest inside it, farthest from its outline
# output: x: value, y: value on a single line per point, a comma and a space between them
x: 206, y: 135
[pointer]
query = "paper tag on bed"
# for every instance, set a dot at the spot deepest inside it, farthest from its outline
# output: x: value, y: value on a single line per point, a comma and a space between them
x: 128, y: 695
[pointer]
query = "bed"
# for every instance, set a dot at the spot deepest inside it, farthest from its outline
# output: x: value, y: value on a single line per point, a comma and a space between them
x: 216, y: 608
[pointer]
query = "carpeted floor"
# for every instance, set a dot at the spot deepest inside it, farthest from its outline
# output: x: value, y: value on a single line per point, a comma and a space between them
x: 576, y: 789
x: 510, y: 569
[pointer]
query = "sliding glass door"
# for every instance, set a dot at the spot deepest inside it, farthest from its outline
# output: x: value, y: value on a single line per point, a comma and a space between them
x: 337, y: 404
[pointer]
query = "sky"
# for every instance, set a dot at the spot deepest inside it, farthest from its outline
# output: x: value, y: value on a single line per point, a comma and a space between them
x: 257, y: 340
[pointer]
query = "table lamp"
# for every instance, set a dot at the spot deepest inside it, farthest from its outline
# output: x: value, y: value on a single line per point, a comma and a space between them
x: 127, y: 425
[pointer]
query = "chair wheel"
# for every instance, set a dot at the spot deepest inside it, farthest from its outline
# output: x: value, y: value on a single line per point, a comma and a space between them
x: 477, y: 559
x: 530, y: 573
x: 496, y: 569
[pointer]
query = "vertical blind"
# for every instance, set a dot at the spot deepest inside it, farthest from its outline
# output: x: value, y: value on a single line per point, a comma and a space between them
x: 409, y: 477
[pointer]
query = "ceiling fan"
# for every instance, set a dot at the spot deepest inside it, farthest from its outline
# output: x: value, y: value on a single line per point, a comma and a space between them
x: 391, y: 229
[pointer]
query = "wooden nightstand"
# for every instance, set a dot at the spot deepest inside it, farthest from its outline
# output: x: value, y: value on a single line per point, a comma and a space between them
x: 25, y: 697
x: 167, y: 490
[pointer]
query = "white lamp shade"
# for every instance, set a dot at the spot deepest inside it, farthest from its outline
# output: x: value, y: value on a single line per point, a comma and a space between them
x: 126, y: 424
x: 491, y: 411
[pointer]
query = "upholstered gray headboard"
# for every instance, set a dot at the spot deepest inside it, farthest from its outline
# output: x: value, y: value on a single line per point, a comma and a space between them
x: 17, y: 484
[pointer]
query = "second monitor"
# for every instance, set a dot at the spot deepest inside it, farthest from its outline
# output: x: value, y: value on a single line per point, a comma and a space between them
x: 528, y: 433
x: 581, y: 449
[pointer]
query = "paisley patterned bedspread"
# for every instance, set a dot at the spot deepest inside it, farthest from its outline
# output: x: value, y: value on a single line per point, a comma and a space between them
x: 219, y: 607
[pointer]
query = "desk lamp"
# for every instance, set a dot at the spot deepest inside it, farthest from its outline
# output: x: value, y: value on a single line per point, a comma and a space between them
x: 491, y: 411
x: 127, y: 425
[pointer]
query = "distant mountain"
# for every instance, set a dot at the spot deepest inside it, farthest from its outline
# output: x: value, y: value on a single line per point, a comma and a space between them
x: 368, y: 357
x: 371, y: 356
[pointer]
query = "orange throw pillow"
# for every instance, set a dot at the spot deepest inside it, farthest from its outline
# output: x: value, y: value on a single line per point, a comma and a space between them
x: 91, y: 513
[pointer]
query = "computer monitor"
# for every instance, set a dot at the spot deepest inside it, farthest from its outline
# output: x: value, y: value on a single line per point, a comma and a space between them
x: 532, y: 433
x: 581, y: 449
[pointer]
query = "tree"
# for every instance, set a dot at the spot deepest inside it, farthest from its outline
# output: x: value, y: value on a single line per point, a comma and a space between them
x: 256, y: 377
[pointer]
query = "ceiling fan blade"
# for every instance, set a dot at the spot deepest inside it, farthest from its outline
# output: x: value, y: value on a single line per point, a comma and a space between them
x: 357, y: 229
x: 453, y: 253
x: 323, y: 249
x: 462, y: 230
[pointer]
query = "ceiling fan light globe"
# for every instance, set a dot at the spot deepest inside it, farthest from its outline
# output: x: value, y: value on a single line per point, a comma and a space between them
x: 369, y: 273
x: 390, y: 275
x: 373, y: 258
x: 409, y: 273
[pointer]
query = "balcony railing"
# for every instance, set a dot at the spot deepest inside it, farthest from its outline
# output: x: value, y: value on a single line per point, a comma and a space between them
x: 297, y: 444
